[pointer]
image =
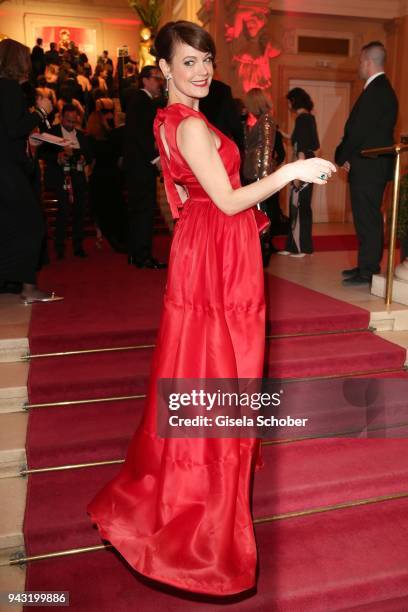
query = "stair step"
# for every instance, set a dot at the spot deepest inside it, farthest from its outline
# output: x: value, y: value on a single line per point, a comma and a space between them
x: 348, y: 560
x: 397, y: 337
x: 299, y: 477
x: 13, y: 349
x: 317, y: 473
x: 338, y: 354
x: 12, y: 579
x: 13, y: 431
x: 13, y: 386
x: 76, y: 377
x: 117, y: 421
x: 13, y: 491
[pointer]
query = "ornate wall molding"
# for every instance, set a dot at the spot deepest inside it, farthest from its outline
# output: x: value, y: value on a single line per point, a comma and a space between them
x: 374, y: 9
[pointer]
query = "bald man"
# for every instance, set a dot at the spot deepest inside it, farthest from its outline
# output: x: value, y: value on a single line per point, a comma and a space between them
x: 370, y: 124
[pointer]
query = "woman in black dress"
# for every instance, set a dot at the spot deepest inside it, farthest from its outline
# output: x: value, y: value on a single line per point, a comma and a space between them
x: 21, y: 221
x: 305, y: 142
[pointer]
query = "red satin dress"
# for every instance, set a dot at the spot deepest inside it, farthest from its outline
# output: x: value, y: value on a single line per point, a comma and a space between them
x: 179, y: 510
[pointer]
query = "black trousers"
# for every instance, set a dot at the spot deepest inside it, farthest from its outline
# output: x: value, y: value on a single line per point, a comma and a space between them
x: 404, y: 247
x: 301, y: 222
x: 366, y: 200
x: 141, y: 205
x: 80, y: 188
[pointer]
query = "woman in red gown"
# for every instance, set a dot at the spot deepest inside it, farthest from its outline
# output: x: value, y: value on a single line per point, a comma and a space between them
x: 179, y: 511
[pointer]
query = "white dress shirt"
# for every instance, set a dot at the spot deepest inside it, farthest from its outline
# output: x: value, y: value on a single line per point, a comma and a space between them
x: 374, y: 76
x: 71, y: 136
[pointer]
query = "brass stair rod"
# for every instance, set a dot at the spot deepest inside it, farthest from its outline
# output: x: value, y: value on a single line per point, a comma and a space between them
x: 30, y: 356
x: 396, y: 150
x: 97, y: 400
x: 393, y: 234
x: 100, y: 400
x: 19, y: 559
x: 25, y: 471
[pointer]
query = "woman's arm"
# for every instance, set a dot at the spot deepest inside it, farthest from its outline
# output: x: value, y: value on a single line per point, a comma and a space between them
x: 197, y: 146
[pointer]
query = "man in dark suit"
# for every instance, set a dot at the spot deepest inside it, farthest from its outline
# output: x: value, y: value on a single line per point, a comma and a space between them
x: 220, y: 109
x: 140, y: 157
x: 370, y: 124
x: 52, y: 56
x: 104, y: 59
x: 37, y: 58
x: 128, y: 81
x: 65, y: 174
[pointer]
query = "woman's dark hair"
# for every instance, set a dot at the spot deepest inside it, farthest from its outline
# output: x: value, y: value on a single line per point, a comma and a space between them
x: 299, y: 98
x: 69, y: 108
x: 15, y: 61
x: 66, y: 95
x: 186, y: 32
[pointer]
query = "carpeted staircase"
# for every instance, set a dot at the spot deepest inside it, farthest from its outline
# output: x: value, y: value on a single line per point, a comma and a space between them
x: 331, y: 515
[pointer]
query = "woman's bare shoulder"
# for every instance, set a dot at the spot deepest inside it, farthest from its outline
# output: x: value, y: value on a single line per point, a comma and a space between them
x: 192, y: 129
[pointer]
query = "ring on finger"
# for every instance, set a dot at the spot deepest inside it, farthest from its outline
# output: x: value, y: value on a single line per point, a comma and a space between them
x: 323, y: 176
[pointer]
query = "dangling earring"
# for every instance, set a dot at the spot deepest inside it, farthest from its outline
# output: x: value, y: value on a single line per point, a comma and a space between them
x: 166, y: 91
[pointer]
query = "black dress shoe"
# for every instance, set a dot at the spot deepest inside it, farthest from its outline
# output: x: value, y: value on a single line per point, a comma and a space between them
x: 10, y: 287
x: 356, y: 281
x: 350, y: 272
x: 152, y: 263
x: 148, y: 262
x: 80, y: 253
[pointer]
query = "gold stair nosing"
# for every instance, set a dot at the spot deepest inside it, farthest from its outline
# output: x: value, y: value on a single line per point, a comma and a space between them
x: 362, y: 373
x: 330, y: 332
x: 25, y: 471
x: 112, y: 349
x: 20, y: 560
x: 30, y: 356
x: 331, y: 507
x: 95, y: 400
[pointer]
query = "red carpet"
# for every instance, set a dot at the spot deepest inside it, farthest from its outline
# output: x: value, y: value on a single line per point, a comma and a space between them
x: 313, y: 564
x: 350, y: 559
x: 109, y: 303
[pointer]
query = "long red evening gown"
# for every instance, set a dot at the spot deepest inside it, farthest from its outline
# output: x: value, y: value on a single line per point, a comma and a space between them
x: 179, y: 510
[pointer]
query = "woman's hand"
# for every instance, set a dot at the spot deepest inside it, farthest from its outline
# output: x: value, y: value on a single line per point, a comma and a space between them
x: 314, y: 170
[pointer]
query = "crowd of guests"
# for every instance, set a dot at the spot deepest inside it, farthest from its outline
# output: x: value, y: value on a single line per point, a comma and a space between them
x: 110, y: 159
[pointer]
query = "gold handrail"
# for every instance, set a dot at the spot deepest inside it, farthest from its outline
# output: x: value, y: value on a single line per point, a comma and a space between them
x: 396, y: 150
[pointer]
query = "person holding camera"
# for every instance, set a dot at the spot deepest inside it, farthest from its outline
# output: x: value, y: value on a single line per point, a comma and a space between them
x: 66, y: 174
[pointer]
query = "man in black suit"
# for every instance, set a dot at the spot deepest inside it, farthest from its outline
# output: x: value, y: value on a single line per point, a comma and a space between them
x: 220, y: 109
x: 52, y: 56
x: 104, y: 59
x: 37, y: 58
x: 370, y: 124
x: 65, y: 174
x: 140, y: 157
